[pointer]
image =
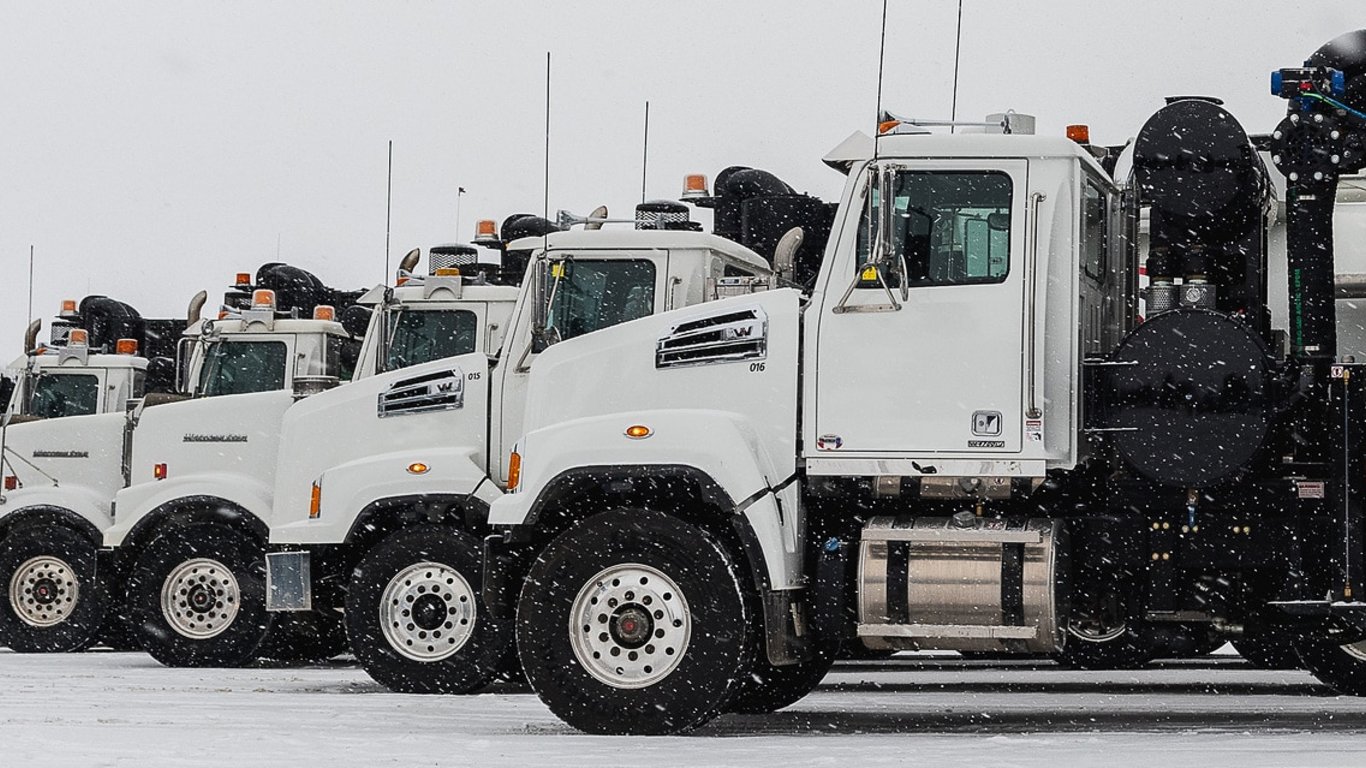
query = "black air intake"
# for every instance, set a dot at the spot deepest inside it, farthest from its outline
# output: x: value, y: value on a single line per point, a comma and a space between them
x: 107, y: 320
x: 1207, y: 192
x: 756, y: 208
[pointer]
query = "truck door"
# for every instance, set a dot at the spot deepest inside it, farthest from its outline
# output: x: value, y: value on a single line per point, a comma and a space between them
x: 943, y: 375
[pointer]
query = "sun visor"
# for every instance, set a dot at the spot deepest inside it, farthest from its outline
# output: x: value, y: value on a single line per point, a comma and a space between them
x: 858, y: 147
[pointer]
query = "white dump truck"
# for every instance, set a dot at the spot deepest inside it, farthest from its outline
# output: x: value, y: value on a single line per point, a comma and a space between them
x: 383, y: 486
x: 69, y: 448
x: 963, y: 437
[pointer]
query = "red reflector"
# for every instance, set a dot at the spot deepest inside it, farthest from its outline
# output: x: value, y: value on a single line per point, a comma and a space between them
x: 159, y: 471
x: 11, y: 483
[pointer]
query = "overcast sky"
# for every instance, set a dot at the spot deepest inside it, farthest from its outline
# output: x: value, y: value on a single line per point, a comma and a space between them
x: 150, y: 149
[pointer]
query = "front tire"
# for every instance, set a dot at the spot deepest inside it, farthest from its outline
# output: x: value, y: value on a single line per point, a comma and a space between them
x: 634, y: 622
x: 54, y: 599
x: 197, y: 597
x: 1340, y: 666
x: 415, y: 617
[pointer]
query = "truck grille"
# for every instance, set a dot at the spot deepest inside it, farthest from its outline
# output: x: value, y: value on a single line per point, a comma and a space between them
x: 723, y: 338
x: 439, y: 391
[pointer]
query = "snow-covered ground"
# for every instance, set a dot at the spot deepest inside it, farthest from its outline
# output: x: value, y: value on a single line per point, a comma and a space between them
x: 122, y: 709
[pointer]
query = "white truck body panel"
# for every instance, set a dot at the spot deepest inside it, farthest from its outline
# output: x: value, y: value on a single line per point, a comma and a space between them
x: 588, y: 391
x: 224, y: 447
x: 83, y: 454
x: 339, y: 440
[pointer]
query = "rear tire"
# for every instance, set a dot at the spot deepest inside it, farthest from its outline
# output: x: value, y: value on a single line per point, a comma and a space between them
x: 197, y: 597
x: 769, y: 688
x: 634, y: 622
x: 1342, y: 667
x: 415, y: 616
x: 54, y: 601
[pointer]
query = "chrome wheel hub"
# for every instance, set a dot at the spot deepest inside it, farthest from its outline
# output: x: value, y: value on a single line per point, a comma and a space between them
x: 200, y: 598
x: 44, y: 591
x: 629, y: 626
x: 427, y: 612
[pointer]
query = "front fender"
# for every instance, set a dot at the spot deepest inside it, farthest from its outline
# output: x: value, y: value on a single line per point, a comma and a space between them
x: 90, y: 506
x: 135, y: 503
x: 348, y: 489
x: 721, y: 445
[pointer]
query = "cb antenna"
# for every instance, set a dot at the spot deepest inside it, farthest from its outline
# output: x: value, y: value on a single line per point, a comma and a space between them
x: 30, y: 284
x: 545, y: 208
x: 881, y: 61
x: 645, y: 153
x: 388, y: 209
x: 957, y: 47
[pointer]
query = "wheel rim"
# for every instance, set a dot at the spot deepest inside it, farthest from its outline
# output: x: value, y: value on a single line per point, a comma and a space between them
x: 200, y: 598
x: 44, y: 591
x: 630, y: 626
x: 427, y: 612
x: 1095, y: 633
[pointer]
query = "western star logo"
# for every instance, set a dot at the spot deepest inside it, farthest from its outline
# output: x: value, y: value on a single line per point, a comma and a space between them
x: 61, y: 454
x: 196, y: 438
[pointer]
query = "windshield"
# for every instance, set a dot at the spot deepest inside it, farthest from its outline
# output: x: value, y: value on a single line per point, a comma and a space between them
x: 56, y: 395
x: 239, y: 367
x: 420, y: 336
x: 592, y: 295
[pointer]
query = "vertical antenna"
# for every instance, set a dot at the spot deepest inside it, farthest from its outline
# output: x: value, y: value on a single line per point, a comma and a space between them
x: 645, y: 153
x: 30, y: 284
x: 545, y: 207
x: 957, y: 47
x: 881, y: 61
x: 388, y: 210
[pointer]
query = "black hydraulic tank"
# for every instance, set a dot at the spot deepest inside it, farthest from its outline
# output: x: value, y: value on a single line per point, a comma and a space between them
x: 1188, y: 398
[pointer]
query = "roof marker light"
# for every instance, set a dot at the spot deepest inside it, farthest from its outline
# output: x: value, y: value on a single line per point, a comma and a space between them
x: 126, y: 347
x: 1079, y: 133
x: 486, y: 232
x: 243, y: 278
x: 324, y: 312
x: 263, y: 298
x: 79, y: 337
x: 68, y: 307
x: 695, y: 186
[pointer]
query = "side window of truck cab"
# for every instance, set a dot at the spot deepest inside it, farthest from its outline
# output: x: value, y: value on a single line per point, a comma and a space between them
x: 420, y: 336
x: 951, y: 227
x: 242, y: 367
x: 594, y: 294
x: 56, y: 395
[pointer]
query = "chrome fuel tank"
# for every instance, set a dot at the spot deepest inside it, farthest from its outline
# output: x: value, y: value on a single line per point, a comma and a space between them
x: 962, y: 583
